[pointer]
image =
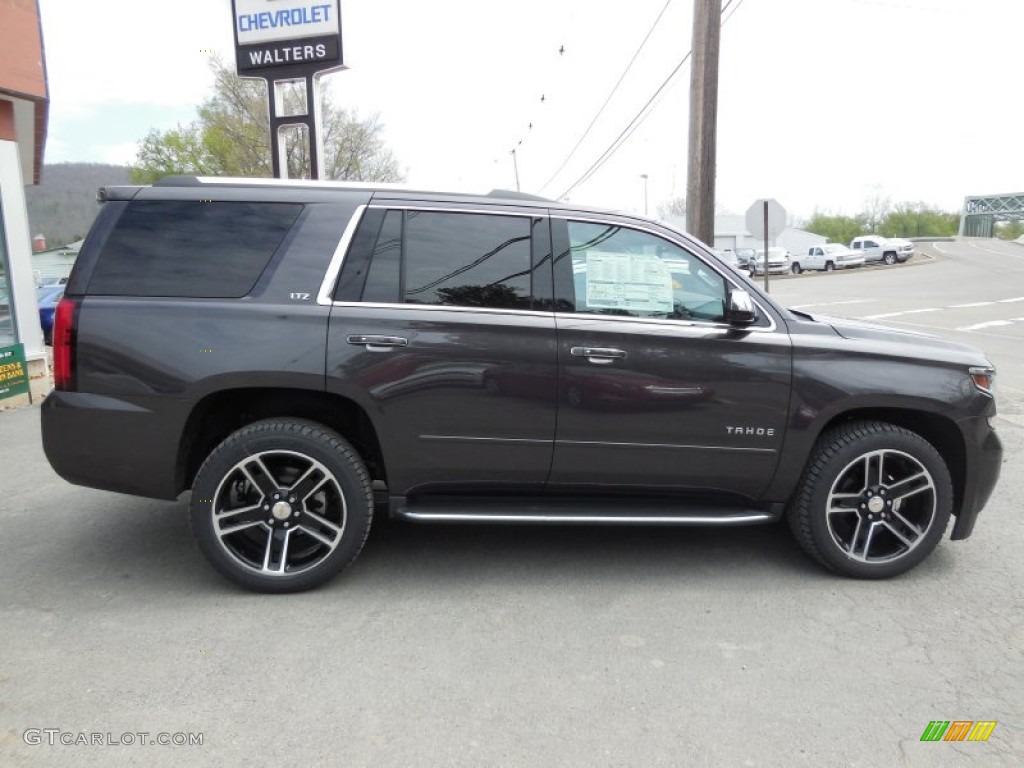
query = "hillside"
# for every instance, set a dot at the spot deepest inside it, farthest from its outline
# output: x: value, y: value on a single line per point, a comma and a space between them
x: 64, y: 205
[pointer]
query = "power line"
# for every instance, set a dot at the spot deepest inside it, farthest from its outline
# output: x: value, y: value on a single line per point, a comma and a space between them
x: 642, y: 114
x: 615, y: 88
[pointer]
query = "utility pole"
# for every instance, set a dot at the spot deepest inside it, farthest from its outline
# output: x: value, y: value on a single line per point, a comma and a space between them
x: 700, y: 182
x: 515, y: 164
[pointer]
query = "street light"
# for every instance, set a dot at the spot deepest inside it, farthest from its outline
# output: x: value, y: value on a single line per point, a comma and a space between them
x: 644, y: 177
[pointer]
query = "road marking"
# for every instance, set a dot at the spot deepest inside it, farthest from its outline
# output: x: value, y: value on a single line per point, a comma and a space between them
x: 997, y: 253
x: 904, y: 312
x: 1010, y: 301
x: 938, y: 248
x: 989, y: 324
x: 975, y: 304
x: 834, y: 303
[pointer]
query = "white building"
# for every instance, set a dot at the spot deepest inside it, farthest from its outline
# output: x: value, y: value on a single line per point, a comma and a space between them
x: 24, y: 105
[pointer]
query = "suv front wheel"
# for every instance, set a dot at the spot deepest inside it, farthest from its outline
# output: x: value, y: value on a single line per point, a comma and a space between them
x: 281, y: 505
x: 874, y: 500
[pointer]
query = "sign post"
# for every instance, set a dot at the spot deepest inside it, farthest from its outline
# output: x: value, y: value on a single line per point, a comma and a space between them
x: 766, y: 216
x: 13, y: 373
x: 289, y: 40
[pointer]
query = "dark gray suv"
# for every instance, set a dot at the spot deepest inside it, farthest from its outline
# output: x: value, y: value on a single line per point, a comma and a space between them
x: 292, y: 352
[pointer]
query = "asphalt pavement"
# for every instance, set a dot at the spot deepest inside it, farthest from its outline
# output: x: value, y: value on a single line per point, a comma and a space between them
x: 490, y: 646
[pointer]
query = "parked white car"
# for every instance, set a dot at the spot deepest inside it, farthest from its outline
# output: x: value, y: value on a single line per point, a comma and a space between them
x: 827, y: 258
x: 778, y: 262
x: 878, y: 248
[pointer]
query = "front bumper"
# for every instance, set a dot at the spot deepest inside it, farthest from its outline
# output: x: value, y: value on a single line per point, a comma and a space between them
x: 984, y: 461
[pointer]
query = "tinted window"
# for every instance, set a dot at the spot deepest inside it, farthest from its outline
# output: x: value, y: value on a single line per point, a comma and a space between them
x: 626, y: 272
x: 384, y: 278
x: 191, y: 249
x: 468, y: 260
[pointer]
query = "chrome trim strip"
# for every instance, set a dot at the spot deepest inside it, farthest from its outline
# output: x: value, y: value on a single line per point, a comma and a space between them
x: 435, y: 208
x: 602, y: 444
x: 323, y: 298
x: 456, y: 517
x: 464, y: 439
x: 443, y: 308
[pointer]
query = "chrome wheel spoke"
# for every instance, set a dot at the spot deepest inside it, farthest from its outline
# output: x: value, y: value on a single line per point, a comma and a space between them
x: 907, y: 524
x: 275, y: 559
x: 257, y: 473
x: 309, y: 483
x: 894, y: 530
x: 234, y: 520
x: 319, y: 527
x: 909, y: 487
x: 863, y: 552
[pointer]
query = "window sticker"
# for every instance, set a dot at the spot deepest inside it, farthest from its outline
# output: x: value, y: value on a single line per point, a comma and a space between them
x: 633, y: 282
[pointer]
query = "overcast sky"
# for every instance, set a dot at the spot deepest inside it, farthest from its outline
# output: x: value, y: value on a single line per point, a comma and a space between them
x: 822, y: 103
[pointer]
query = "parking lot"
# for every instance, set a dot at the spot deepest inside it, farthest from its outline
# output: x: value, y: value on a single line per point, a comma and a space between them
x: 528, y: 646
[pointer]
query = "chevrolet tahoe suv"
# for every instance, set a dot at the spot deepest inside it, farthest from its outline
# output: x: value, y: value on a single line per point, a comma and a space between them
x: 293, y: 352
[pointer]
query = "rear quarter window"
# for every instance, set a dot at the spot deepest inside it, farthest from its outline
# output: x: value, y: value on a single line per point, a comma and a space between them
x: 191, y: 249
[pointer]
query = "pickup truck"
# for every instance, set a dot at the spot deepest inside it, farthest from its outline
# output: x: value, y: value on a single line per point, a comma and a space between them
x: 827, y: 258
x: 877, y: 248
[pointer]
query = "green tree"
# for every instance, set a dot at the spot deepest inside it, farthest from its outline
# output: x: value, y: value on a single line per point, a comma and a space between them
x: 231, y: 137
x: 918, y: 220
x: 838, y: 229
x: 1010, y: 230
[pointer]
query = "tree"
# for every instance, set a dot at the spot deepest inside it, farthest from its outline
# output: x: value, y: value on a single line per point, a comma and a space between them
x: 1010, y: 230
x: 676, y: 207
x: 231, y: 137
x: 918, y: 220
x: 837, y: 228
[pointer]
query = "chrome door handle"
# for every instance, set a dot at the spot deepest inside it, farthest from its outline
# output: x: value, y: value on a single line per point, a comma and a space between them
x: 598, y: 355
x: 377, y: 343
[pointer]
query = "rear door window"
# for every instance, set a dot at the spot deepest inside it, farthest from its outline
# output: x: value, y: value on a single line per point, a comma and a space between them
x: 191, y: 249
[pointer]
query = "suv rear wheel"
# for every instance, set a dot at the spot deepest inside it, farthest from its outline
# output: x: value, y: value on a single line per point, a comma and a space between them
x: 281, y: 505
x: 874, y: 501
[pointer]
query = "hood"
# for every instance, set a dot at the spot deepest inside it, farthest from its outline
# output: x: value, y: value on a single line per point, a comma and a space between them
x: 910, y: 343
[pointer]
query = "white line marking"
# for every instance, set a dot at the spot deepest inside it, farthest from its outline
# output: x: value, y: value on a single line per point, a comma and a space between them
x: 989, y: 324
x: 905, y: 312
x: 1010, y: 301
x: 989, y: 250
x: 834, y: 303
x: 975, y: 304
x: 938, y: 248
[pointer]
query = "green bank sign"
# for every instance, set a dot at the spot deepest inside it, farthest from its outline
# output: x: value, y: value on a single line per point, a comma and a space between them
x: 13, y: 373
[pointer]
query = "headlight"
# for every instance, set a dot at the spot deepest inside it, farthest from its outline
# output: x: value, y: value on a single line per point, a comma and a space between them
x: 984, y: 378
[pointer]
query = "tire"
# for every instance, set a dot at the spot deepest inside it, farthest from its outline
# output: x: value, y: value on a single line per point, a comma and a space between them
x: 873, y: 502
x: 280, y: 541
x: 797, y: 269
x: 889, y: 257
x: 830, y: 267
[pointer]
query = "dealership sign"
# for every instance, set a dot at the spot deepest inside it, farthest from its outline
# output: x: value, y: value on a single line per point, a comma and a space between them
x: 13, y: 375
x: 297, y: 36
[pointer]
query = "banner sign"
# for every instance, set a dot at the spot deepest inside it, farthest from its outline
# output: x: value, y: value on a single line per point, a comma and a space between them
x: 299, y: 36
x: 13, y: 373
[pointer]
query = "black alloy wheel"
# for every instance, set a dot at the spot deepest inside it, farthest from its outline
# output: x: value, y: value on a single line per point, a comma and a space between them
x: 281, y: 505
x: 874, y: 500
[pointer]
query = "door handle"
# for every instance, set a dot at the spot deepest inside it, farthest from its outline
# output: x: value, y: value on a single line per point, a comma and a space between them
x: 598, y: 355
x: 377, y: 343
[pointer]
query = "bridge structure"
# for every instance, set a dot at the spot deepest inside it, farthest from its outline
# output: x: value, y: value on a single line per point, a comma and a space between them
x: 981, y: 212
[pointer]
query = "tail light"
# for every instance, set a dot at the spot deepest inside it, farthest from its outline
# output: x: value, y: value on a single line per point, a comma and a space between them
x: 63, y: 344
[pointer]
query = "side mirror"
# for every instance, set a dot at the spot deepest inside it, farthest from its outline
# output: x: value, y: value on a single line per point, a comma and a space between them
x: 741, y: 309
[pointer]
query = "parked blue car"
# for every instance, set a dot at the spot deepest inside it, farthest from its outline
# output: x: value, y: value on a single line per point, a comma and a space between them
x: 49, y: 296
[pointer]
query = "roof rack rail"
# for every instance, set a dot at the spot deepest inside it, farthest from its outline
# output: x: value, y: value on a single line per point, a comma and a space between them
x: 515, y: 195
